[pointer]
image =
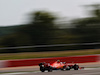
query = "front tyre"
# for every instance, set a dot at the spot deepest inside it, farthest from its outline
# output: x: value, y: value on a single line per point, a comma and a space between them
x: 76, y: 67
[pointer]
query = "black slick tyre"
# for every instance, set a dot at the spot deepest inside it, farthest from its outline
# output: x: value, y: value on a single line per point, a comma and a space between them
x: 42, y: 69
x: 49, y: 69
x: 76, y: 67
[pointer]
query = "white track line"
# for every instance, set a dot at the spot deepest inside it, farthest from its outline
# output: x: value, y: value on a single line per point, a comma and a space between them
x: 91, y: 68
x: 88, y: 73
x: 17, y: 73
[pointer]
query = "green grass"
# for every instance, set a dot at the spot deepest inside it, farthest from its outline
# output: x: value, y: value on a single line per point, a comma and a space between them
x: 48, y: 54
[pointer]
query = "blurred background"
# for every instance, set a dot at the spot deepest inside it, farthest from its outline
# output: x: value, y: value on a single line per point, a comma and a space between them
x: 49, y: 22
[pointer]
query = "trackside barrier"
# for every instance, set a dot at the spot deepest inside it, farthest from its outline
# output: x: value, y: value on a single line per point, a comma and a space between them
x: 34, y: 62
x: 99, y: 58
x: 3, y: 63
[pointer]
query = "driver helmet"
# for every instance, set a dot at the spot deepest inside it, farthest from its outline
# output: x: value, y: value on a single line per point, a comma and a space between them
x: 58, y: 61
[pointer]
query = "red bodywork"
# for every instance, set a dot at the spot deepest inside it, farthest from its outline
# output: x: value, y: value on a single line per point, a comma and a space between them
x: 58, y: 65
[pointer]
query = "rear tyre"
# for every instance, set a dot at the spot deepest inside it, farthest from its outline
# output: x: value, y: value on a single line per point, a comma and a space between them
x: 50, y: 69
x: 42, y: 69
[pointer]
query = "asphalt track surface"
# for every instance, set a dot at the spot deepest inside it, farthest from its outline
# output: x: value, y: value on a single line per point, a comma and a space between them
x: 71, y: 72
x: 90, y: 69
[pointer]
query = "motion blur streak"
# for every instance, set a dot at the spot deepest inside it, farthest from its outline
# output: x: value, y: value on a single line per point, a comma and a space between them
x: 51, y: 45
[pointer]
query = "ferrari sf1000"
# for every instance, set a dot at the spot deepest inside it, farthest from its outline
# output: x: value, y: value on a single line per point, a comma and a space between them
x: 58, y: 66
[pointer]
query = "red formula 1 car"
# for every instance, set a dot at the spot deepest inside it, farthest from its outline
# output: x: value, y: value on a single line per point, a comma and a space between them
x: 58, y: 66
